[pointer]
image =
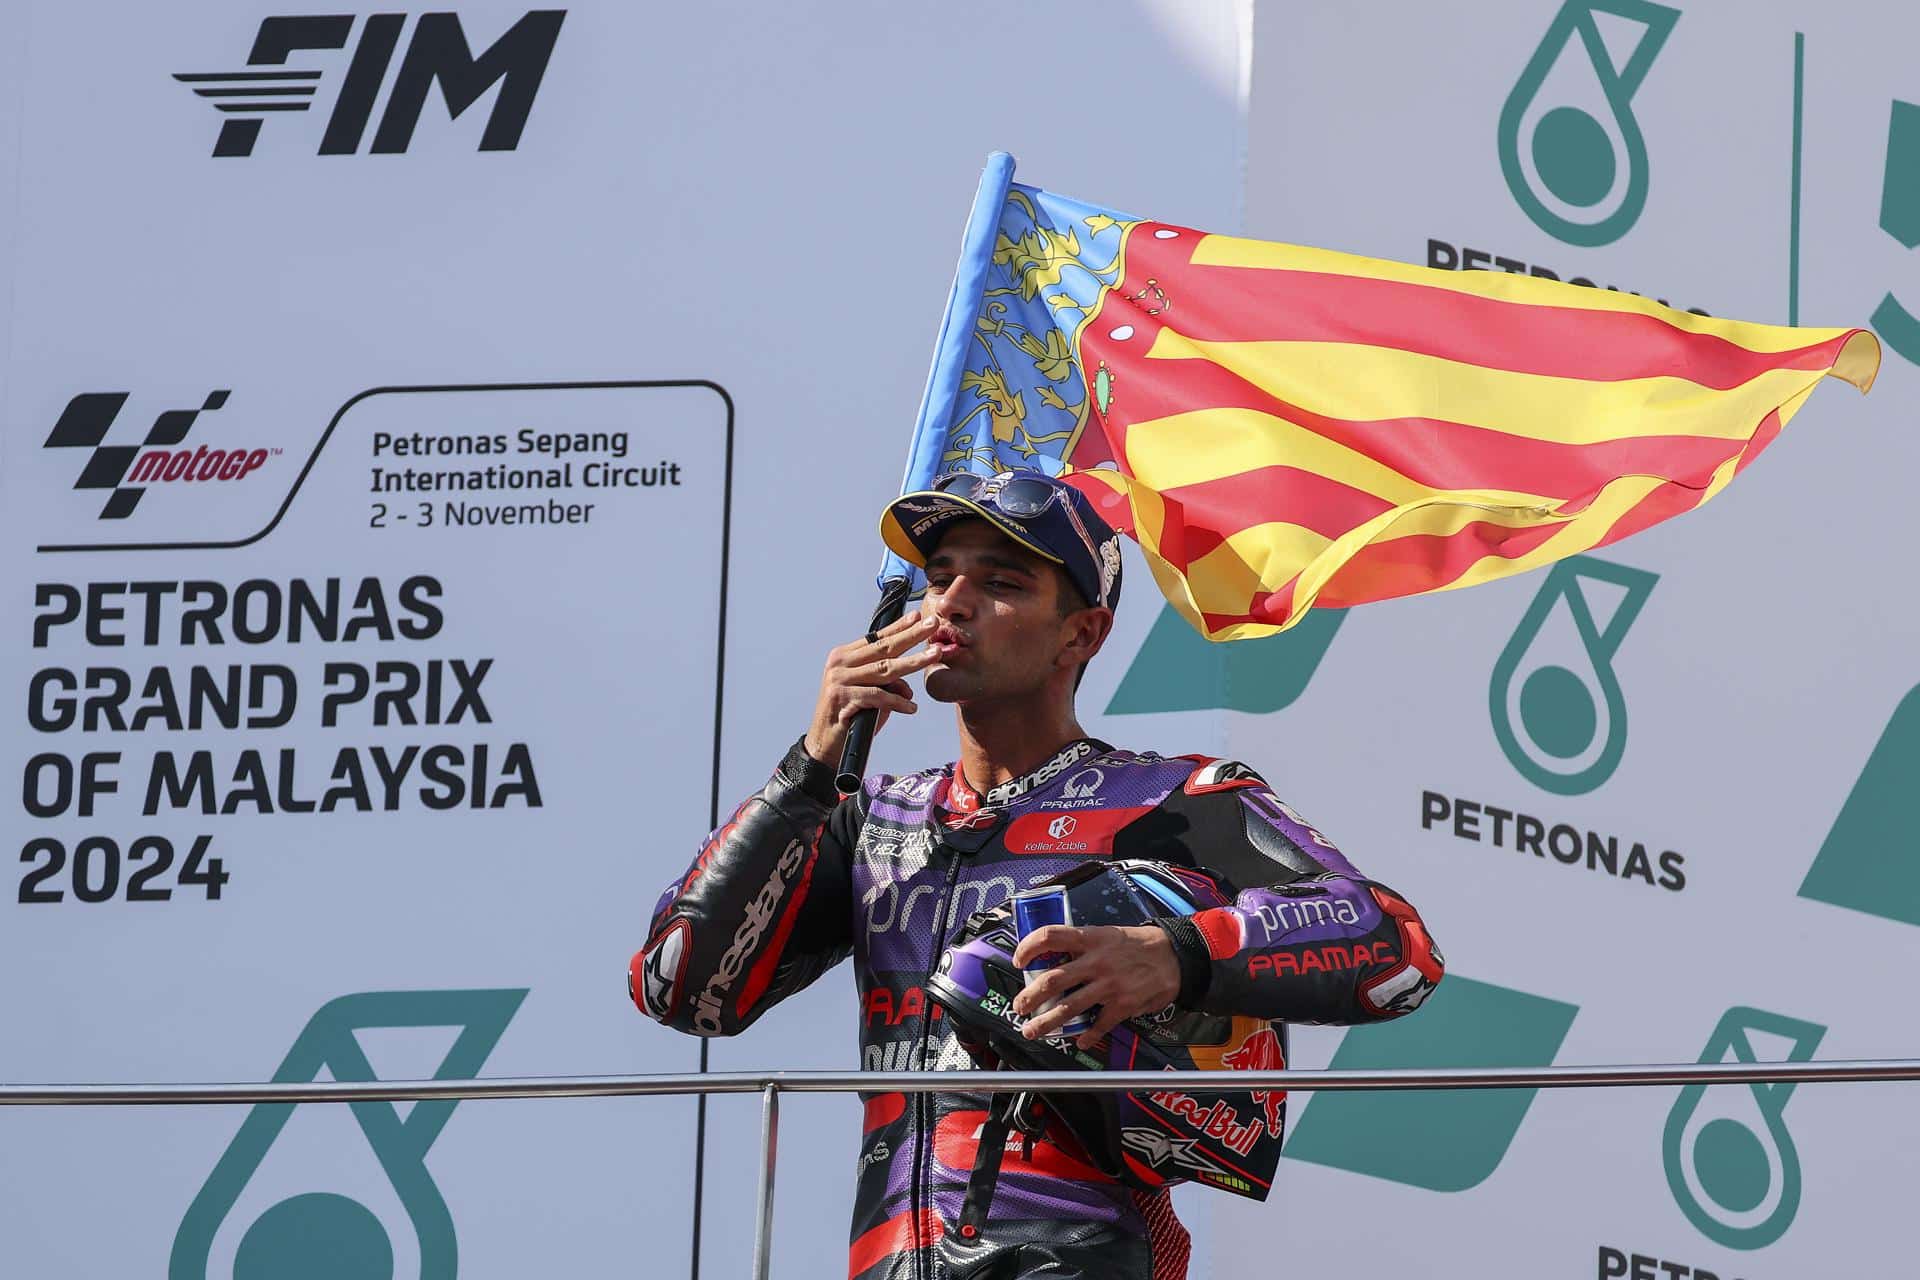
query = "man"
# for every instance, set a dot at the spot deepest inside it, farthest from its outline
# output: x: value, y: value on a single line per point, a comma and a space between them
x: 1022, y: 579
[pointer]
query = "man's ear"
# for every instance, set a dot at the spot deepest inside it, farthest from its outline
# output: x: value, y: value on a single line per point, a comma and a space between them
x: 1087, y: 630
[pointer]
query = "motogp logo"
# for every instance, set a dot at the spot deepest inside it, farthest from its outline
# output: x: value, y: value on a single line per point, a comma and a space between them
x: 128, y: 470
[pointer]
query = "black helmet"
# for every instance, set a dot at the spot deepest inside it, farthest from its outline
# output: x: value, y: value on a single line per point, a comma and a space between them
x: 1145, y: 1139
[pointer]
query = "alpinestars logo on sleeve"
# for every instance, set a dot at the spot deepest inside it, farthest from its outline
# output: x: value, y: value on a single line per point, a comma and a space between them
x: 707, y: 1009
x: 661, y: 967
x: 128, y: 469
x: 1402, y: 992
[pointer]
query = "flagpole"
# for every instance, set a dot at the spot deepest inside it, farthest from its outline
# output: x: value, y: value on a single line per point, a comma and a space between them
x: 936, y: 412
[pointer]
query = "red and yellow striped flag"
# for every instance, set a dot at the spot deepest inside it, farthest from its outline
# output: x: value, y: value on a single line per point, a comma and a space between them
x: 1283, y: 427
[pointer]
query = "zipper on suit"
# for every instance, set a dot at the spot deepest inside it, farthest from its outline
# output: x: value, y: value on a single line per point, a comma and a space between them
x: 923, y: 1102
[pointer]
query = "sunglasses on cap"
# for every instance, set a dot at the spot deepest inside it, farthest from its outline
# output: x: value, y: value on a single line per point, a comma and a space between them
x: 1021, y: 496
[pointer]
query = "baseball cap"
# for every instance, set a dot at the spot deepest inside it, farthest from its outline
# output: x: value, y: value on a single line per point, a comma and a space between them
x: 1052, y: 519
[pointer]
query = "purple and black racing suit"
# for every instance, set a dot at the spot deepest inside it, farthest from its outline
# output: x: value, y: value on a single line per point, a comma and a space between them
x: 800, y: 877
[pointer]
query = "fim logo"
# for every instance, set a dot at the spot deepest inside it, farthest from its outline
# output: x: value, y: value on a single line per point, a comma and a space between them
x: 1732, y: 1166
x: 438, y: 52
x: 319, y: 1234
x: 1564, y: 727
x: 1570, y: 148
x: 128, y: 469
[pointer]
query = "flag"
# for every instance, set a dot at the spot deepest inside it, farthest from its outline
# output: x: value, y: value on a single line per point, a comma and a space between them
x: 1282, y: 428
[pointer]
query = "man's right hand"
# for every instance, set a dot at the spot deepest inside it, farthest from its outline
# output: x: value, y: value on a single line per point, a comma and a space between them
x: 868, y: 673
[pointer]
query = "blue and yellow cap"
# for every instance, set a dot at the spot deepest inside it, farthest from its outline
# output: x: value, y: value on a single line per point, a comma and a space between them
x: 1050, y: 518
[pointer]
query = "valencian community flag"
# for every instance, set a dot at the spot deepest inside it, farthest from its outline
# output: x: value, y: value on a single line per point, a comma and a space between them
x: 1282, y: 427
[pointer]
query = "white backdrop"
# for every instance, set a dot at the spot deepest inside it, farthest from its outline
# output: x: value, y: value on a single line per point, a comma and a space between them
x: 765, y: 199
x: 763, y: 202
x: 1768, y: 654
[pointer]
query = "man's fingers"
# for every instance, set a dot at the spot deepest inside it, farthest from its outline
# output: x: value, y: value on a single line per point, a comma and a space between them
x: 905, y: 622
x: 900, y: 636
x: 890, y: 668
x: 1112, y: 1014
x: 1062, y: 938
x: 878, y: 698
x: 1049, y: 1022
x: 1050, y: 985
x: 840, y: 683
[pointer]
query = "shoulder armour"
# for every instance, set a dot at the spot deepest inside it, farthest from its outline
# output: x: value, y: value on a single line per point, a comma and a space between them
x: 1221, y: 775
x: 907, y: 788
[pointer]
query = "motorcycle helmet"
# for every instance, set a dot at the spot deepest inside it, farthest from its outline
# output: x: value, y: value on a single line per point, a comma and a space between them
x: 1151, y: 1139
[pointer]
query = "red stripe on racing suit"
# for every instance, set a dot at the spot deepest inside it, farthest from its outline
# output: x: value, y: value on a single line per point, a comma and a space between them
x: 800, y: 878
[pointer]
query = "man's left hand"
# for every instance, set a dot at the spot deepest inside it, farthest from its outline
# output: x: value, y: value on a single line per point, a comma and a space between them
x: 1126, y: 970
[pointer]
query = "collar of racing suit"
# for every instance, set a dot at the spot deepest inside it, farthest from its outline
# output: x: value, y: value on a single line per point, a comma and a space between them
x: 962, y: 798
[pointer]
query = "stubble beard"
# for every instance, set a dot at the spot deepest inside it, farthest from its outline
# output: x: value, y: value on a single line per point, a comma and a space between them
x: 973, y: 684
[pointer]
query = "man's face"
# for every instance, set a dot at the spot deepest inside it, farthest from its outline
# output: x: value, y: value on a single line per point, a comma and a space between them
x: 1002, y: 630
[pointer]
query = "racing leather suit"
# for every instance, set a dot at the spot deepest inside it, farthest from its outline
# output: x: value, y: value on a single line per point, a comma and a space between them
x: 799, y: 878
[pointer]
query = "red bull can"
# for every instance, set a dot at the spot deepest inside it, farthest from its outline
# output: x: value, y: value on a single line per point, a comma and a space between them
x: 1036, y: 909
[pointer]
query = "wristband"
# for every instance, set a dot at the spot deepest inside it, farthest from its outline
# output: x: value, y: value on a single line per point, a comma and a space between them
x: 1196, y: 962
x: 808, y: 774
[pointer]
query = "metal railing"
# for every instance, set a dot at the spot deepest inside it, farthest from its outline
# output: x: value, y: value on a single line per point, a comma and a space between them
x: 770, y: 1085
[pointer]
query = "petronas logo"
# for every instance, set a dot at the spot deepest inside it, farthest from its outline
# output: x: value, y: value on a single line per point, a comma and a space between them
x: 1868, y: 861
x: 1178, y: 669
x: 1558, y: 711
x: 1570, y: 148
x: 1900, y: 218
x: 324, y: 1235
x: 1465, y: 1133
x: 1730, y: 1160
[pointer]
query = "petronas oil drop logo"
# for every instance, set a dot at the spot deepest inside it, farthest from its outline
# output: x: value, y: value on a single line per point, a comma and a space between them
x: 1178, y: 669
x: 1463, y: 1134
x: 1557, y: 707
x: 324, y: 1235
x: 1570, y: 148
x: 1730, y: 1160
x: 1870, y: 860
x: 1900, y: 218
